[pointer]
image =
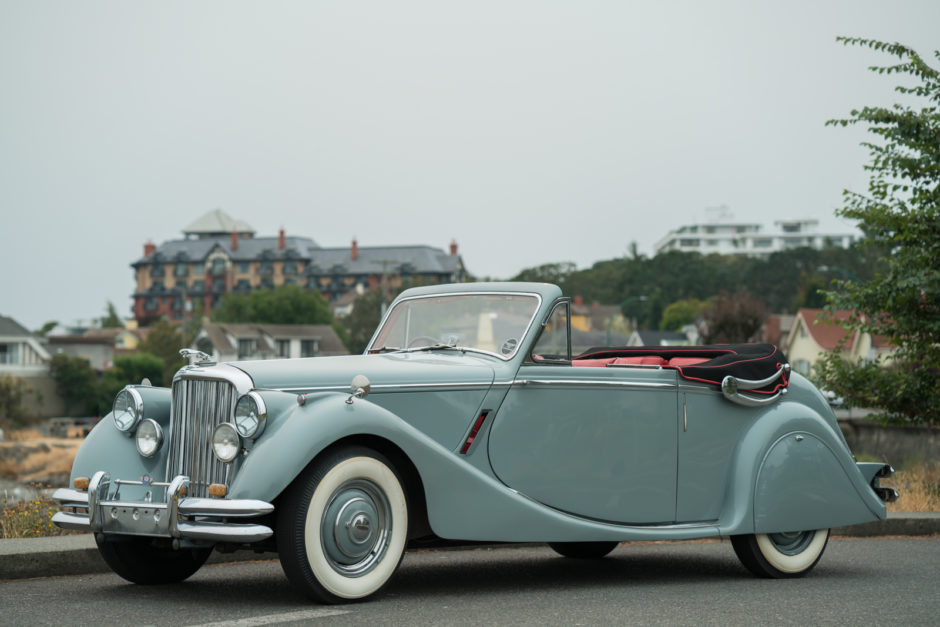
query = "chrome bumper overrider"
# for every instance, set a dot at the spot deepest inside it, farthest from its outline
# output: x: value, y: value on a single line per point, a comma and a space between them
x: 99, y: 509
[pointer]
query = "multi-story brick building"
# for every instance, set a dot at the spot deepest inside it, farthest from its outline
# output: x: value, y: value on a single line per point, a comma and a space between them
x: 218, y: 255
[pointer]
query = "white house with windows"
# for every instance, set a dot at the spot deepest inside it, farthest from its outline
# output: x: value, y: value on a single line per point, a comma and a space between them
x: 21, y: 353
x: 720, y: 233
x: 232, y: 342
x: 813, y: 335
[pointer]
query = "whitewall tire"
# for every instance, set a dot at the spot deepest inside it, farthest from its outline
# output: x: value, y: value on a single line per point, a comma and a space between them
x: 781, y: 555
x: 343, y: 526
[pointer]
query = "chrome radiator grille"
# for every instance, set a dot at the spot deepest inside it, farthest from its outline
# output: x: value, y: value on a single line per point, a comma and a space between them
x: 199, y: 406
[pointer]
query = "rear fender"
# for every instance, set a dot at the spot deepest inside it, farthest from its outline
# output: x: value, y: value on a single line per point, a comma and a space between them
x: 792, y: 472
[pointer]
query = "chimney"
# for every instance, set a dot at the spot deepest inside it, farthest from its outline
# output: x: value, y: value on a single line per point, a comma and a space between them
x: 234, y: 240
x: 149, y: 248
x: 281, y: 241
x: 453, y: 247
x: 354, y: 253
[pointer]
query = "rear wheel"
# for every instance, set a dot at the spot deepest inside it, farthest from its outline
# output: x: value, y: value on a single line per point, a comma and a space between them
x: 781, y: 555
x: 342, y: 526
x: 139, y: 561
x: 583, y: 550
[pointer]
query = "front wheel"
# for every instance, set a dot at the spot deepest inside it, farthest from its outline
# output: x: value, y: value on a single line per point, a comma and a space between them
x: 342, y: 526
x: 781, y: 555
x: 139, y: 561
x: 583, y: 550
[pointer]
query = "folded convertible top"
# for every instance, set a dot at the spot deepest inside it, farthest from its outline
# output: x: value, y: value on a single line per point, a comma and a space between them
x: 708, y: 364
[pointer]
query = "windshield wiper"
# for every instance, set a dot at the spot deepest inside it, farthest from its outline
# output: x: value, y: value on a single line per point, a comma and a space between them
x: 433, y: 347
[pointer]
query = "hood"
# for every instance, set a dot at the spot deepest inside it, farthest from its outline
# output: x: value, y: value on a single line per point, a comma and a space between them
x: 390, y: 369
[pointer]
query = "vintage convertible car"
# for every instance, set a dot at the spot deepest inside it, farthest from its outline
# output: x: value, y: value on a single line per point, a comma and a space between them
x: 469, y: 418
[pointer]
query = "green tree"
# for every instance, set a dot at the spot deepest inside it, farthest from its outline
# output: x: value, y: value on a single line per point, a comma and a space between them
x: 547, y: 273
x: 285, y: 304
x: 899, y: 214
x: 681, y: 313
x: 13, y: 393
x: 76, y: 382
x: 112, y: 320
x: 164, y: 341
x: 131, y: 369
x: 44, y: 329
x: 811, y: 291
x: 730, y: 319
x: 360, y: 324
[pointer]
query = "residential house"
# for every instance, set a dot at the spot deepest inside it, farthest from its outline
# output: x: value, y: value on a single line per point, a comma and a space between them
x: 811, y: 336
x: 21, y: 352
x: 219, y: 255
x: 100, y: 346
x: 22, y: 355
x: 776, y: 328
x: 237, y: 342
x: 658, y: 338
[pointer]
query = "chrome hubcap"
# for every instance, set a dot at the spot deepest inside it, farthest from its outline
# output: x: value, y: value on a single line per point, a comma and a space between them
x: 355, y: 528
x: 793, y: 542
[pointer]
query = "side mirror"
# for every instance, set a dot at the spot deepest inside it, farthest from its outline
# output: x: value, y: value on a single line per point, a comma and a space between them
x: 359, y: 388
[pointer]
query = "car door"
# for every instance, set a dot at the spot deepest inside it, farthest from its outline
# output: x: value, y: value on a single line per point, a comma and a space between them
x: 596, y: 442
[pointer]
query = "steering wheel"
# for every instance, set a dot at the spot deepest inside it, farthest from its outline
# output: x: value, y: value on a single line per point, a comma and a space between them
x: 427, y: 339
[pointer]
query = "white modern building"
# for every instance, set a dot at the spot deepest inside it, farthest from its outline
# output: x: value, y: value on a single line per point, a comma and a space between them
x: 721, y: 233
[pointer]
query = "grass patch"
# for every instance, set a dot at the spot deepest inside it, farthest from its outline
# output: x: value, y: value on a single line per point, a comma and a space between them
x: 31, y: 518
x: 919, y: 486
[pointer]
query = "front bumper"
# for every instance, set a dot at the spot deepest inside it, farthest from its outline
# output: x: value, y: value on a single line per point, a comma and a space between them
x: 101, y: 510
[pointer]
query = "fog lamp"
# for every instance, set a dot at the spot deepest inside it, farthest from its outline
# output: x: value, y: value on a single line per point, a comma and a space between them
x: 149, y: 437
x: 225, y: 442
x: 81, y: 483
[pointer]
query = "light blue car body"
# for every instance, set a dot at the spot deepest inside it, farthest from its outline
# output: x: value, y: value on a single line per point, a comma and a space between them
x: 564, y: 454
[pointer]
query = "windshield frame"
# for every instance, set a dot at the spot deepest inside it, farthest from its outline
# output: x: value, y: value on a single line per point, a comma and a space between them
x: 371, y: 348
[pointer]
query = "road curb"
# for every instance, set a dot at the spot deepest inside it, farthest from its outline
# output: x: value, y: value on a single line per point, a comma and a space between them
x: 27, y: 558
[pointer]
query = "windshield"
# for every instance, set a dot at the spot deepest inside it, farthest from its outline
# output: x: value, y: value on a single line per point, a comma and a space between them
x: 489, y: 322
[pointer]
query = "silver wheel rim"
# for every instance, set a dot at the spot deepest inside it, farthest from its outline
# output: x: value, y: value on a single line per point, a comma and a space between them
x: 355, y: 530
x: 793, y: 542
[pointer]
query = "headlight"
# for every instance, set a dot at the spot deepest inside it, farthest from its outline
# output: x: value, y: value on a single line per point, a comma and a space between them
x: 225, y: 442
x: 249, y: 415
x: 127, y: 409
x: 149, y: 437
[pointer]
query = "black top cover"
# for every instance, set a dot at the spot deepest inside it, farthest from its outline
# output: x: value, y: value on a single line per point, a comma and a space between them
x: 742, y: 361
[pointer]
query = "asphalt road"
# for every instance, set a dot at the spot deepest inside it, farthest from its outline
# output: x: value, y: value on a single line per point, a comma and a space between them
x: 859, y: 581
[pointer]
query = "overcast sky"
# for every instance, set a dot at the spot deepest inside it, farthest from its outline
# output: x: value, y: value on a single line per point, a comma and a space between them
x: 529, y: 132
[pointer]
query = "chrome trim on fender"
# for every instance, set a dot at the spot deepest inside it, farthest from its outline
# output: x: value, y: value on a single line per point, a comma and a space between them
x: 389, y: 387
x: 593, y: 383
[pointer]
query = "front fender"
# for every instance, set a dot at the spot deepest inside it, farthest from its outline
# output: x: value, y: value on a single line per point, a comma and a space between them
x: 106, y: 448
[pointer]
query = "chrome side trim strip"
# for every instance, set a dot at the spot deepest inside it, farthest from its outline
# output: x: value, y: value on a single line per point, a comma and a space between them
x: 593, y: 383
x: 392, y: 387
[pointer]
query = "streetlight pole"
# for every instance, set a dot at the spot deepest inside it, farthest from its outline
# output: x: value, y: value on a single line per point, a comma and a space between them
x: 610, y: 321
